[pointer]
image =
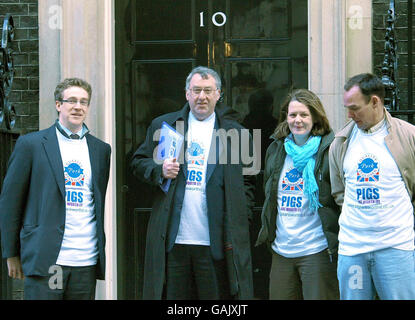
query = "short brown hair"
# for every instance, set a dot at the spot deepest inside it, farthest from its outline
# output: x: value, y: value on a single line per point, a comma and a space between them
x: 369, y: 84
x: 321, y: 125
x: 72, y: 82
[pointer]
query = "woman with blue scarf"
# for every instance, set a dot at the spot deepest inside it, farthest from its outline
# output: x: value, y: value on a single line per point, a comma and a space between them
x: 300, y: 217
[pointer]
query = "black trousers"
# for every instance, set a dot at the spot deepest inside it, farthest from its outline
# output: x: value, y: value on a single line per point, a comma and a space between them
x: 192, y: 273
x: 64, y: 283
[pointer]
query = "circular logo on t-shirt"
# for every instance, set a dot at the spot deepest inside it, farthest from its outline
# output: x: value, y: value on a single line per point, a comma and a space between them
x: 293, y: 180
x: 368, y: 169
x: 195, y: 149
x: 195, y: 154
x: 74, y: 174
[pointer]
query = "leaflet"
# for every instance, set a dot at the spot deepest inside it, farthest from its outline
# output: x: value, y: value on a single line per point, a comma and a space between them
x: 169, y: 147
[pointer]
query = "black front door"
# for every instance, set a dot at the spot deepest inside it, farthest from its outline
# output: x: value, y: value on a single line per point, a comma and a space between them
x: 259, y: 47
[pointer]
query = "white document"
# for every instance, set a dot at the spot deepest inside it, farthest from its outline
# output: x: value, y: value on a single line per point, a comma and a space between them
x: 169, y: 147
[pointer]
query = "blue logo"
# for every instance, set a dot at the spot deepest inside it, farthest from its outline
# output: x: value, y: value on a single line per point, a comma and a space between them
x: 74, y: 175
x: 195, y: 150
x: 293, y: 181
x: 368, y: 169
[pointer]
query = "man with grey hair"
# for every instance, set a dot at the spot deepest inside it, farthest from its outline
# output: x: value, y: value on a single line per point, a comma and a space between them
x: 198, y: 233
x: 52, y: 203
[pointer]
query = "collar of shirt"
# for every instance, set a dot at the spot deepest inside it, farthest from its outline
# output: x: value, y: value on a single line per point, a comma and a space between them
x: 81, y: 133
x: 376, y: 127
x: 208, y: 119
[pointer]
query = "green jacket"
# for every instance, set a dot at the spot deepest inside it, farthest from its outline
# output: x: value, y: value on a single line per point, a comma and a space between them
x: 329, y: 212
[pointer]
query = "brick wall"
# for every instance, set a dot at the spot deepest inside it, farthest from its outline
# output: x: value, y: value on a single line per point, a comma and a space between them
x: 380, y: 11
x: 25, y: 88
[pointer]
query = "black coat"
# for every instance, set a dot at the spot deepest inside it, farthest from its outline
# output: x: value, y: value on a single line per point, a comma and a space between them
x: 329, y: 212
x: 32, y: 202
x: 227, y: 190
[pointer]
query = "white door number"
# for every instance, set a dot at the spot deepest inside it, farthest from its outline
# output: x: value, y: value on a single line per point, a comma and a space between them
x: 218, y: 19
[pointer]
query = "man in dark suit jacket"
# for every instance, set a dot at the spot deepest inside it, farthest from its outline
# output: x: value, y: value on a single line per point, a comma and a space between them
x: 52, y: 203
x: 198, y: 233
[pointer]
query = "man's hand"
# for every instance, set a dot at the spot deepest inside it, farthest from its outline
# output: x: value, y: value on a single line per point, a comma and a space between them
x: 15, y: 268
x: 170, y: 168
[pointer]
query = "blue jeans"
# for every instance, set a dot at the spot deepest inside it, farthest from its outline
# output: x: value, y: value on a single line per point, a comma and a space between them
x: 388, y: 272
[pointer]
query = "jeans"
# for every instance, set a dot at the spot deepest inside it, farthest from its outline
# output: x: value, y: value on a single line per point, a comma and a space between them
x: 388, y: 272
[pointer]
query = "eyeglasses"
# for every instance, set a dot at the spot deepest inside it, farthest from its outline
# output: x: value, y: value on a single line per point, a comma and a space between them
x: 83, y: 102
x: 197, y: 90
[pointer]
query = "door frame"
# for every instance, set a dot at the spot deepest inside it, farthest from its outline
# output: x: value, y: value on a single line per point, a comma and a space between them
x: 328, y: 41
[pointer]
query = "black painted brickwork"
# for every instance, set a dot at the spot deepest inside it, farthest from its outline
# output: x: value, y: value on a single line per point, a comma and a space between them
x: 379, y: 16
x: 25, y: 89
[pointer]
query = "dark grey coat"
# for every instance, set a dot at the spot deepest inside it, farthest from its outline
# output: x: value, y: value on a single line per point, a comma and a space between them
x: 227, y: 190
x: 329, y: 213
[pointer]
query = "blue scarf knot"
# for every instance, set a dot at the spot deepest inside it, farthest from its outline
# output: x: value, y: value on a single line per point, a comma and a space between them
x: 304, y: 162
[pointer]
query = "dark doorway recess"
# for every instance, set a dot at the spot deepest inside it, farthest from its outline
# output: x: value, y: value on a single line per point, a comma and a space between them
x: 260, y: 49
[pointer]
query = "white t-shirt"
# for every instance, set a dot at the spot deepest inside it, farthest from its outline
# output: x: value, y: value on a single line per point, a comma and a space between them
x: 377, y: 212
x: 79, y: 244
x: 299, y: 231
x: 194, y: 225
